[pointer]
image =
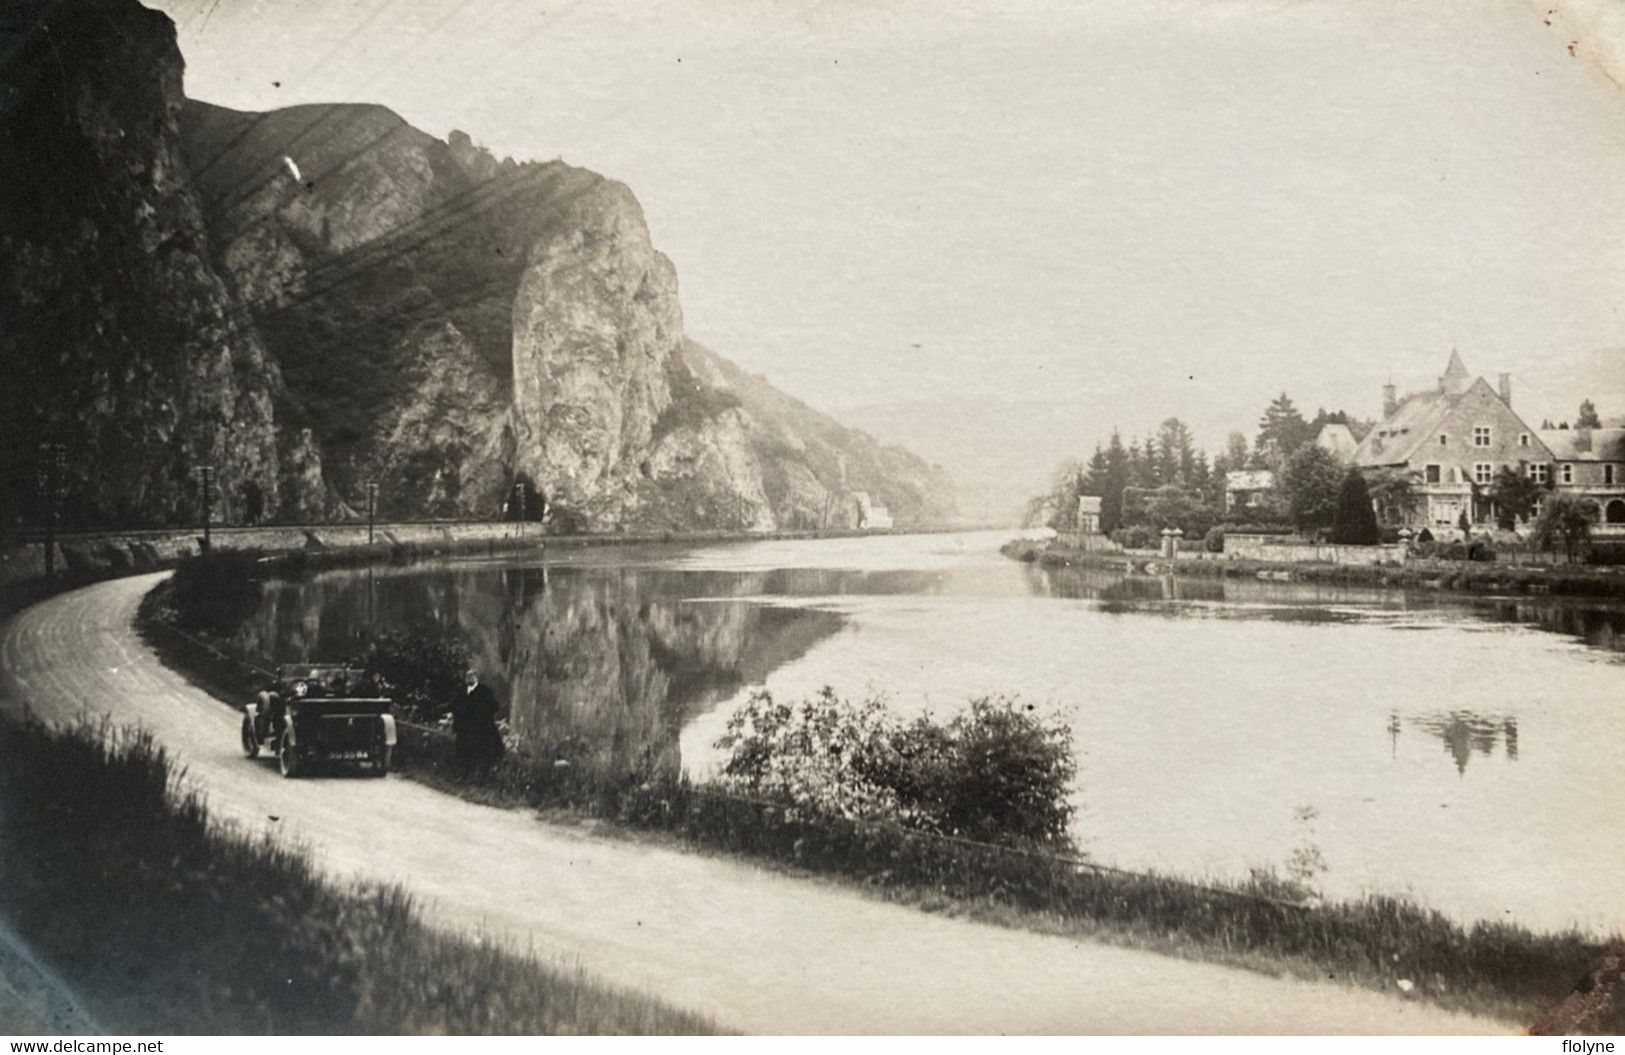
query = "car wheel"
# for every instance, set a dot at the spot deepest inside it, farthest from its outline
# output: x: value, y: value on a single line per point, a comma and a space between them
x: 287, y: 757
x: 381, y: 758
x: 251, y: 743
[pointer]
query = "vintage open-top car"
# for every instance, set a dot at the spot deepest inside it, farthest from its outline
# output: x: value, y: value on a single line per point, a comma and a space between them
x: 320, y: 712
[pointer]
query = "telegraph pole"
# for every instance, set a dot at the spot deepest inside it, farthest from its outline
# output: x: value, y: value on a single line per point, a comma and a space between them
x: 519, y: 506
x: 372, y: 507
x: 207, y: 472
x: 53, y: 464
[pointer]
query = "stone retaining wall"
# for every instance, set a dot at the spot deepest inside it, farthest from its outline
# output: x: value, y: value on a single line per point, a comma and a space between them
x: 1272, y: 548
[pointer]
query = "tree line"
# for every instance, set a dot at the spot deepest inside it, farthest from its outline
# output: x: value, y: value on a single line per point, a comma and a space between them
x: 1165, y: 481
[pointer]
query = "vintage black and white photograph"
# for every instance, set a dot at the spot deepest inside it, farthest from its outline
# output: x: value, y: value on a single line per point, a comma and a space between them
x: 808, y: 517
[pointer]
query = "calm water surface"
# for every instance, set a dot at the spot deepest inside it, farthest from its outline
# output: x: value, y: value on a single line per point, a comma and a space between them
x: 1463, y: 750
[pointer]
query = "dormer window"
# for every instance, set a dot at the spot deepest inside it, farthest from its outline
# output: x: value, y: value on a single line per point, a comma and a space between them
x: 1481, y: 435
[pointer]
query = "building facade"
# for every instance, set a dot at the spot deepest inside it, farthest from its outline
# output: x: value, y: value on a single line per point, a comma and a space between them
x: 1591, y: 462
x: 1454, y: 437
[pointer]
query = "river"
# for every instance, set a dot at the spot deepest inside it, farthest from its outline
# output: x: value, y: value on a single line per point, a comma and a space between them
x: 1464, y: 751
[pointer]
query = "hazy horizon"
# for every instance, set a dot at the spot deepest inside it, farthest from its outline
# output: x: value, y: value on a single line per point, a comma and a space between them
x: 1045, y: 221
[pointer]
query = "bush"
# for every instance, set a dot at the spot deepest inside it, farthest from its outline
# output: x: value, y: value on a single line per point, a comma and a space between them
x: 1246, y: 528
x: 420, y: 668
x: 1455, y: 549
x: 1138, y: 536
x: 996, y: 772
x: 1214, y: 540
x: 1606, y: 553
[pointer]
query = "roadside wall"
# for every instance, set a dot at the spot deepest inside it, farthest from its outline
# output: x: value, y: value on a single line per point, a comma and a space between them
x: 1272, y: 548
x: 1087, y: 542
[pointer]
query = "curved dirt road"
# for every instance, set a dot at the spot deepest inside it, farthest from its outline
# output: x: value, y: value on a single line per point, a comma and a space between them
x: 759, y: 951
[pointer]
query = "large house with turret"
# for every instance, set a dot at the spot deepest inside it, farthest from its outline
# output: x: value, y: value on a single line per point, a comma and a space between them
x: 1454, y: 437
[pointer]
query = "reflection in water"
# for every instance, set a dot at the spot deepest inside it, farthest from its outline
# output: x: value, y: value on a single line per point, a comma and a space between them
x: 603, y: 666
x: 1465, y: 733
x: 1203, y: 708
x: 1597, y: 623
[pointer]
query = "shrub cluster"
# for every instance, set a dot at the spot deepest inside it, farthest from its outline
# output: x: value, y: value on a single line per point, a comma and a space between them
x: 1455, y: 549
x: 418, y: 667
x: 1254, y: 528
x: 1137, y: 536
x: 996, y: 772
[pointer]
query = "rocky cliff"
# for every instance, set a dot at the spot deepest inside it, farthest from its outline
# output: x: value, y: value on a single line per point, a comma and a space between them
x: 323, y: 296
x: 119, y: 340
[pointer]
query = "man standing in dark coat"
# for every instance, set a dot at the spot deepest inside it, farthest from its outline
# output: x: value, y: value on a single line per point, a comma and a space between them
x: 474, y: 723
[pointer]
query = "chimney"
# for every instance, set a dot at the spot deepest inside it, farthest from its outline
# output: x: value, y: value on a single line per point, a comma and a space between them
x: 1582, y: 440
x: 1506, y: 388
x: 1389, y: 402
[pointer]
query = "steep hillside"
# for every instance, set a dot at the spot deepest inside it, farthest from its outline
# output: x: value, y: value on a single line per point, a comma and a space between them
x: 322, y: 297
x: 119, y: 341
x: 812, y: 464
x: 449, y: 324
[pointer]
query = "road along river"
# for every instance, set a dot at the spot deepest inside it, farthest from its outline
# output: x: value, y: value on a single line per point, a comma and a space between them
x: 759, y: 951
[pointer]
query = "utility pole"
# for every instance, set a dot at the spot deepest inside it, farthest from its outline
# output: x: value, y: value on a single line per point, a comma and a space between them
x: 53, y: 465
x: 207, y: 472
x: 372, y: 507
x: 519, y: 506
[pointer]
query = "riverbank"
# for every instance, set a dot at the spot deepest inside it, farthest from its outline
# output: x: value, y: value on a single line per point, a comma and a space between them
x: 82, y: 559
x: 1383, y: 944
x: 1488, y: 577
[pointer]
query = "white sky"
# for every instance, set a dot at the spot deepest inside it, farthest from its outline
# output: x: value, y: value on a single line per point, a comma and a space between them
x: 994, y: 231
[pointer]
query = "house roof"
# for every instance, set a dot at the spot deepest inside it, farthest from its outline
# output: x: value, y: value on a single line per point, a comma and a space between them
x: 1606, y: 445
x: 1396, y: 438
x: 1336, y: 438
x: 1456, y: 379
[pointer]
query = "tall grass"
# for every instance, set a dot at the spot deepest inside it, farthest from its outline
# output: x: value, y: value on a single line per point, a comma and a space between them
x: 166, y: 923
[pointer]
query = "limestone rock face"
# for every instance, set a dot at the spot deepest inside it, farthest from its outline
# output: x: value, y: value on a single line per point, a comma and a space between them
x: 320, y: 298
x: 706, y: 473
x: 596, y: 321
x: 444, y: 449
x: 305, y: 494
x: 121, y: 342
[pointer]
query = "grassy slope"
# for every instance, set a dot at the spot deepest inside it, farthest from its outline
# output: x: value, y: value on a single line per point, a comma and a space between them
x: 165, y: 923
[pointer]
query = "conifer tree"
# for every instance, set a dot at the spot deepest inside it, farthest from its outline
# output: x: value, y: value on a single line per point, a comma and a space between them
x: 1355, y: 522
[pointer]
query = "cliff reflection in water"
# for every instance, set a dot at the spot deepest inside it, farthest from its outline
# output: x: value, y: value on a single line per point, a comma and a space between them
x: 603, y: 666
